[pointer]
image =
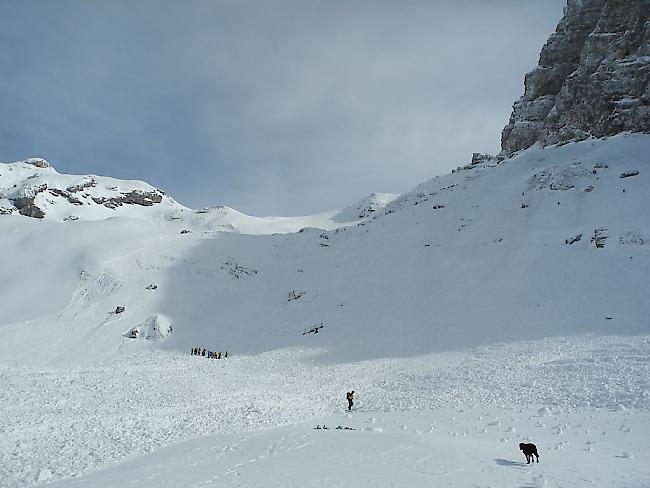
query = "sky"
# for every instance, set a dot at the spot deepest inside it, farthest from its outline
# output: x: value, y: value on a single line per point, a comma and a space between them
x: 284, y: 107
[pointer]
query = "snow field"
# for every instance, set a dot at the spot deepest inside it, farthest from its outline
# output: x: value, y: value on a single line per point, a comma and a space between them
x: 444, y: 447
x: 66, y: 421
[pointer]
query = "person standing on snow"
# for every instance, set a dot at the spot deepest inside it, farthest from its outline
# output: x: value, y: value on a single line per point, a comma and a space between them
x: 349, y: 396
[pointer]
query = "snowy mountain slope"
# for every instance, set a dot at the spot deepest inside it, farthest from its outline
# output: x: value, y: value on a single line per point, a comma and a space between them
x: 374, y: 202
x: 504, y: 303
x: 475, y: 269
x: 469, y: 262
x: 33, y: 188
x: 465, y: 259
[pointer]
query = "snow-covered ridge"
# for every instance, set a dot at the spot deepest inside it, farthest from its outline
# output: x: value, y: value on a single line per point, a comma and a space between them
x: 365, y: 208
x: 33, y: 188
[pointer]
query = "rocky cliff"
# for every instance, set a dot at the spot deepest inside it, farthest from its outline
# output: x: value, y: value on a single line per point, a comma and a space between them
x: 592, y: 78
x: 34, y: 189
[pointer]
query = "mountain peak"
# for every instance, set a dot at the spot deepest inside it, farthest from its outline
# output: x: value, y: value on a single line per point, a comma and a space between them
x: 38, y: 162
x: 592, y: 79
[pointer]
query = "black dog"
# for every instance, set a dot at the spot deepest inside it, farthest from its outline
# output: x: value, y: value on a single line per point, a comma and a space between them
x: 530, y: 450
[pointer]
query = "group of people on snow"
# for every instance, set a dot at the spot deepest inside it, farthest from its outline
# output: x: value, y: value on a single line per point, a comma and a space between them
x: 197, y: 351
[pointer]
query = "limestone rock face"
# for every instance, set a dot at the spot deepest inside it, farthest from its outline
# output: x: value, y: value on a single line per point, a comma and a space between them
x: 38, y: 162
x: 24, y: 201
x: 33, y: 188
x: 592, y: 78
x: 143, y: 198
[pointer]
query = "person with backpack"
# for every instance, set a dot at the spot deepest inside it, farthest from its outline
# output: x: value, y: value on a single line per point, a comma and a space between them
x: 349, y: 396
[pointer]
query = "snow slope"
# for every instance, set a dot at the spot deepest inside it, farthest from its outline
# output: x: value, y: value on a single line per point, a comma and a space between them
x: 465, y: 259
x: 456, y: 417
x: 375, y: 202
x: 471, y: 447
x: 464, y: 293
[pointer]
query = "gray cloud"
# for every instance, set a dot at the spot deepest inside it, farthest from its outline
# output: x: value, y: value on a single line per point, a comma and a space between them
x: 283, y: 107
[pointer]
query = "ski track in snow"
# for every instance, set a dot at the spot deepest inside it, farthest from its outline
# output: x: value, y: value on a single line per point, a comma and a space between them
x: 66, y: 421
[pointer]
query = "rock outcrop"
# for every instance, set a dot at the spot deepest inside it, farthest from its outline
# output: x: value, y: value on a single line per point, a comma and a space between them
x: 142, y: 198
x: 592, y: 78
x: 24, y: 201
x: 155, y: 328
x: 38, y: 162
x: 33, y: 188
x: 478, y: 159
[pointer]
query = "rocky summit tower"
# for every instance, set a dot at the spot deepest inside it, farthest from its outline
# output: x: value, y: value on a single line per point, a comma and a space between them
x: 592, y: 78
